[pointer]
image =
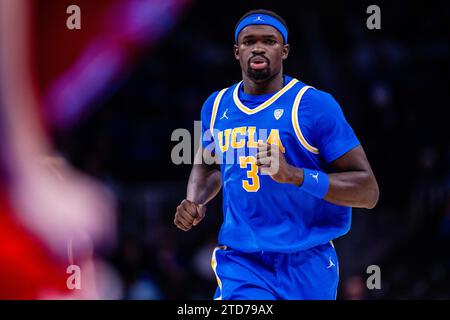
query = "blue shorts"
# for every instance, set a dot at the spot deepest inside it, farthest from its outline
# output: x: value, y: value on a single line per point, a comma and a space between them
x: 311, y: 274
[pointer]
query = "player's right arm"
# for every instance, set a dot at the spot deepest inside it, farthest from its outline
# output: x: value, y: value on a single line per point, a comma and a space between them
x: 204, y: 184
x: 205, y: 180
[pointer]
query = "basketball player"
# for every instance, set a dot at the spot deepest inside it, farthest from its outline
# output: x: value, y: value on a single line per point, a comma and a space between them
x: 291, y: 168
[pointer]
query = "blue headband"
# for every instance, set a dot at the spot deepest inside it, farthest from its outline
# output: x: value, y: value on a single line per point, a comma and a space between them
x: 260, y: 18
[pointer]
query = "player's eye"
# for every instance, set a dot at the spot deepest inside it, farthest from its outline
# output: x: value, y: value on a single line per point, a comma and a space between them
x: 247, y: 42
x: 270, y: 41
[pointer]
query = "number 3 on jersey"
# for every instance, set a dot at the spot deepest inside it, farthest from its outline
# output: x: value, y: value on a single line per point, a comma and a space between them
x: 251, y: 185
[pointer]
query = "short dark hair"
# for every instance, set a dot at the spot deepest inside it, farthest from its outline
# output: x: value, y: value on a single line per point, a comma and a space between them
x: 263, y: 11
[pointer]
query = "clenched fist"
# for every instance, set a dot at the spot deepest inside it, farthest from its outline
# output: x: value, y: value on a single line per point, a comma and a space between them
x: 189, y: 214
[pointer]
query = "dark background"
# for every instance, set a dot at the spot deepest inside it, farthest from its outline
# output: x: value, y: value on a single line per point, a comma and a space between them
x: 392, y: 85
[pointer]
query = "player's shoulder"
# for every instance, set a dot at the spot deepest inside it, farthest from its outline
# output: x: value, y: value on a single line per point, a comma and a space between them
x: 209, y: 101
x: 320, y: 101
x: 318, y: 96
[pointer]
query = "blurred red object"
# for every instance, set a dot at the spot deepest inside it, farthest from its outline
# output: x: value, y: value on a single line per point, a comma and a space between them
x: 53, y: 216
x: 27, y: 269
x: 47, y: 207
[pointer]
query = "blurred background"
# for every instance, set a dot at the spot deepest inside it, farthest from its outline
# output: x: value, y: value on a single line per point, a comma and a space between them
x: 111, y: 94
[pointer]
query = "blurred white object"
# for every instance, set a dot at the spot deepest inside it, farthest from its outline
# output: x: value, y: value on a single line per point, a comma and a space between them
x: 59, y: 204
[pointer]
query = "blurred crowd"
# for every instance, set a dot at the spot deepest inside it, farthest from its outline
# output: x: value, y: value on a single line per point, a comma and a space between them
x: 392, y: 85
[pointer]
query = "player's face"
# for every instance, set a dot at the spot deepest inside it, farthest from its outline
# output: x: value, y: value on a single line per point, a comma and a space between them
x: 260, y: 52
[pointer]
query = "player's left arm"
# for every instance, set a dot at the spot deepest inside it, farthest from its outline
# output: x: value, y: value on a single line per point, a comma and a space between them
x: 352, y: 184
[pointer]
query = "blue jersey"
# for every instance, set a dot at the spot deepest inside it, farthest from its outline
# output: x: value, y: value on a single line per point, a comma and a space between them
x: 260, y: 214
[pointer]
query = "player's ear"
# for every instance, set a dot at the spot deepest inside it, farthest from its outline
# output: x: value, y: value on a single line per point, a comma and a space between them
x: 236, y: 51
x: 285, y: 52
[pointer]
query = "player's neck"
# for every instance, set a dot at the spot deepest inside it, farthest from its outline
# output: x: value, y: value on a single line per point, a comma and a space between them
x: 271, y: 85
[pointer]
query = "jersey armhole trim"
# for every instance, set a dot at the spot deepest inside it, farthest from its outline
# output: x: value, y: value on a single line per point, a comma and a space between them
x: 296, y: 124
x: 214, y: 110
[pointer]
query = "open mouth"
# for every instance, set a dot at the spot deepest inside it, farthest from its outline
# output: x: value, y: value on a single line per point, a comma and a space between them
x: 258, y: 63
